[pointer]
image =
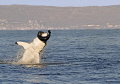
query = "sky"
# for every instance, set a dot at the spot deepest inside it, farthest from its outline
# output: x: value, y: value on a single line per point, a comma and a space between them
x: 62, y: 3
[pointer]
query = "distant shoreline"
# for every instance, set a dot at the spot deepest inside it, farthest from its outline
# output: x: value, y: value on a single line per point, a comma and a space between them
x: 63, y: 29
x: 26, y: 17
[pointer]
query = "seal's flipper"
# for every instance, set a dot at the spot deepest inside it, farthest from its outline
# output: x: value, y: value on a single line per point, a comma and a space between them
x: 23, y: 44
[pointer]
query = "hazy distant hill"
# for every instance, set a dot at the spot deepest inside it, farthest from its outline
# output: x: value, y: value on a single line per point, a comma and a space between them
x: 13, y: 16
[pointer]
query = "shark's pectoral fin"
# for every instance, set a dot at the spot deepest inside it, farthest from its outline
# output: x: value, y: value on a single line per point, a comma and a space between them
x: 23, y: 44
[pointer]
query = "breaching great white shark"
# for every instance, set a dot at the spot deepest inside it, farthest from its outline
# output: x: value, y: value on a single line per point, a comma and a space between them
x: 33, y: 49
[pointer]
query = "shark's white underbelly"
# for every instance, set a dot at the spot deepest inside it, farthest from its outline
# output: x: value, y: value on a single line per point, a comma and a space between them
x: 31, y: 54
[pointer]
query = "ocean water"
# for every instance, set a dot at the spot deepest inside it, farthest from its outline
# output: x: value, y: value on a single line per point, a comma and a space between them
x: 70, y: 57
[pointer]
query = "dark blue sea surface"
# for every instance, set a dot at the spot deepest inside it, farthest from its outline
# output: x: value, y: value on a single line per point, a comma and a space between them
x: 70, y: 57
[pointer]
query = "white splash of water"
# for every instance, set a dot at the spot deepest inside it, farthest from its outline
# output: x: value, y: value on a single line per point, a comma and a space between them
x: 18, y: 55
